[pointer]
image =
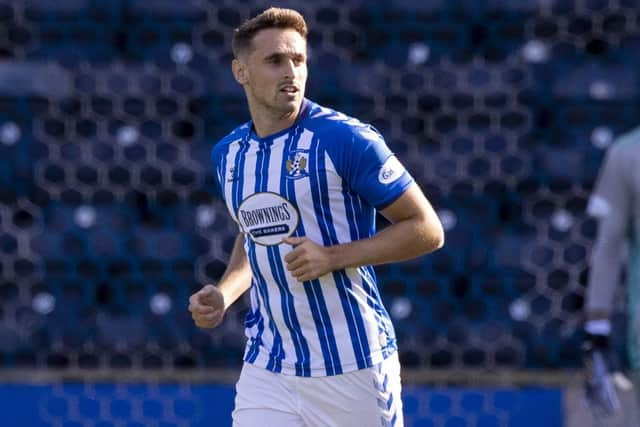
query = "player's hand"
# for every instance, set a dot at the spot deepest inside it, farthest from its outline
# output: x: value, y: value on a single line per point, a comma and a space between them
x: 601, y: 376
x: 207, y: 307
x: 307, y: 260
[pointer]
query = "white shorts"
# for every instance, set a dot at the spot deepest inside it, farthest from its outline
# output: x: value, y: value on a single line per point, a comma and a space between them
x: 364, y: 398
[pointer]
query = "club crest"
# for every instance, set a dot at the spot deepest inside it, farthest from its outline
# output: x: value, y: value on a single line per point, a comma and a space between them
x: 297, y: 164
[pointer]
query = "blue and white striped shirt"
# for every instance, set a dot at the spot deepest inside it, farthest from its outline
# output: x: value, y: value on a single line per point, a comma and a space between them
x: 322, y: 178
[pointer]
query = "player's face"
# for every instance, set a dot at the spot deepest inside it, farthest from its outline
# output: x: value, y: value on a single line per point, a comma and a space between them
x: 276, y: 71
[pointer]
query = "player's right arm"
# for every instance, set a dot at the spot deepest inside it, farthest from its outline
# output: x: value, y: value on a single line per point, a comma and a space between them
x: 209, y: 304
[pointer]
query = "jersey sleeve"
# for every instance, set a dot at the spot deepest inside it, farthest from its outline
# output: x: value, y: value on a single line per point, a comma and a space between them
x: 370, y: 169
x: 610, y: 204
x: 217, y: 163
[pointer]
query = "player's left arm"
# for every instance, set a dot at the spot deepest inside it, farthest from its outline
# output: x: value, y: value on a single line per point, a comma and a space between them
x: 415, y: 230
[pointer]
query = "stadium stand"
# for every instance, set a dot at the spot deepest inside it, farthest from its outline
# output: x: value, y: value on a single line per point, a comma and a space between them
x: 502, y: 111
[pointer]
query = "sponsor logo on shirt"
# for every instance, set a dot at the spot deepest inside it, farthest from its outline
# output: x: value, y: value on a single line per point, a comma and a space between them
x: 390, y: 171
x: 267, y: 218
x: 297, y: 164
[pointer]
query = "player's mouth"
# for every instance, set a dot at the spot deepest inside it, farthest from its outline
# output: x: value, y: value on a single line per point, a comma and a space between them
x: 289, y: 89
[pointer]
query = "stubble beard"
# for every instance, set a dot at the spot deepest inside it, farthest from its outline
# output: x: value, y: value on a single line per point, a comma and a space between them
x: 288, y: 109
x: 277, y: 108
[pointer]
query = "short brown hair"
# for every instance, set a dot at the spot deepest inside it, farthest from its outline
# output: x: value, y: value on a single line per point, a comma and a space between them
x: 273, y: 17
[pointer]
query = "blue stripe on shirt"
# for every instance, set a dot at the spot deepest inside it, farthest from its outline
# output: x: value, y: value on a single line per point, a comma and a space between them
x: 254, y: 348
x: 303, y: 355
x: 236, y: 198
x: 236, y: 186
x: 313, y: 288
x: 253, y: 316
x: 358, y: 215
x: 353, y: 315
x: 277, y: 352
x: 356, y: 211
x: 290, y: 318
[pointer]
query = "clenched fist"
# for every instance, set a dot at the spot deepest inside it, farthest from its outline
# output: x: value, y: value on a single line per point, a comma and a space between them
x: 207, y: 307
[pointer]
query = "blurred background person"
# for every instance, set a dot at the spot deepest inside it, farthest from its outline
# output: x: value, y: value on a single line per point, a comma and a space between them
x: 110, y: 218
x: 616, y: 206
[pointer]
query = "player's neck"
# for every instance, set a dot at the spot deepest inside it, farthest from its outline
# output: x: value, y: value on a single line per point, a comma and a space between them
x: 267, y: 123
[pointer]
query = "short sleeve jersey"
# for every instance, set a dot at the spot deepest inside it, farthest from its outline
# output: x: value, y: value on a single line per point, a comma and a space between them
x: 323, y: 178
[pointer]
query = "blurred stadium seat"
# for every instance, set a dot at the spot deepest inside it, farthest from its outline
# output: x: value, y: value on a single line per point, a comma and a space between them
x: 69, y: 31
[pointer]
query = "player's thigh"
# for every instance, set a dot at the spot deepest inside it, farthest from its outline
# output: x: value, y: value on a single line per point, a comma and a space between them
x: 365, y: 398
x: 263, y: 399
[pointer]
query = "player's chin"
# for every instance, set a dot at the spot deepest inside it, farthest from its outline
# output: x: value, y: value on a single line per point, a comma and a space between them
x: 292, y: 100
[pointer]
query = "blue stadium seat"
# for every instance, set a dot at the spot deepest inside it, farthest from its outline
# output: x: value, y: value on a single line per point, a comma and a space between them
x: 71, y: 31
x: 68, y: 326
x: 426, y: 6
x: 151, y: 10
x: 17, y: 155
x: 580, y: 164
x: 154, y: 27
x: 501, y: 33
x: 120, y: 329
x: 392, y: 42
x: 34, y: 78
x: 509, y: 250
x: 627, y: 52
x: 100, y: 257
x: 222, y: 83
x: 512, y: 6
x: 596, y: 82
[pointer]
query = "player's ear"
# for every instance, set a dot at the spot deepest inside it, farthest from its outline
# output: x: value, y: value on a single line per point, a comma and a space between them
x: 239, y: 69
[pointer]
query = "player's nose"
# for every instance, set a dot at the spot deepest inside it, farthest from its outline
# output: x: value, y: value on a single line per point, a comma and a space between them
x: 289, y: 69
